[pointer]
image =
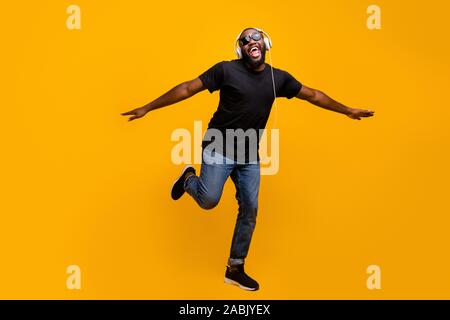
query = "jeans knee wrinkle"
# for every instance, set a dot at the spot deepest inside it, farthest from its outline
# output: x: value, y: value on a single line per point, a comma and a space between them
x: 208, y: 199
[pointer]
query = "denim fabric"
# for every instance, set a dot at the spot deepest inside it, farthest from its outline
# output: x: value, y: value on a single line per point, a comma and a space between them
x: 206, y: 189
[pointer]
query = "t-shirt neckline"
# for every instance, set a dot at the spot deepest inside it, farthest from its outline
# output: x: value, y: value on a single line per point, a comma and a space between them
x: 253, y: 71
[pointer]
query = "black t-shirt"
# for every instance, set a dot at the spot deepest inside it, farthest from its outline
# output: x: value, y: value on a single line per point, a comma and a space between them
x: 246, y: 97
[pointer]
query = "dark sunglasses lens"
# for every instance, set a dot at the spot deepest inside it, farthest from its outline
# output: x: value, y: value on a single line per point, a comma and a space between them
x: 256, y: 36
x: 245, y: 40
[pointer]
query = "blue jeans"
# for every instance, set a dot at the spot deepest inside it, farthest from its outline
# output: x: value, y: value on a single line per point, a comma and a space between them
x: 206, y: 189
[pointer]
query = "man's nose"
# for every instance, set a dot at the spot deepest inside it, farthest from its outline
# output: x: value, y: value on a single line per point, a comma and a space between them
x: 251, y: 42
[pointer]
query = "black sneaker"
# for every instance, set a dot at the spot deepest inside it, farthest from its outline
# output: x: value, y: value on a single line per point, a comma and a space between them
x: 235, y: 275
x: 178, y: 185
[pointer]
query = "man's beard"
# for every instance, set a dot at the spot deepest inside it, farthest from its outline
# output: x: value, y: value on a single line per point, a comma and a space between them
x: 253, y: 64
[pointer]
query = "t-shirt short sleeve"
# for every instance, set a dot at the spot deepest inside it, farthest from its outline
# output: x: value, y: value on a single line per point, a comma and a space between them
x: 290, y: 86
x: 212, y: 78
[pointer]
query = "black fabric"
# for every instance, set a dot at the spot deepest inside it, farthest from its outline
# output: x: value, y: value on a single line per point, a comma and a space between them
x: 237, y: 274
x: 178, y: 186
x: 246, y: 96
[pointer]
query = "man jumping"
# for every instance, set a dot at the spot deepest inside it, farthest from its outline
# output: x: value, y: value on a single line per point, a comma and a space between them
x: 248, y: 87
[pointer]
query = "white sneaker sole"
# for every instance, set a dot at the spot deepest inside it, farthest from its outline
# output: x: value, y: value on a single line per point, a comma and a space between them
x: 235, y: 283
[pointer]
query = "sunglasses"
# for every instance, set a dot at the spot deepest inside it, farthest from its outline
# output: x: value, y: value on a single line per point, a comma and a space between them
x: 245, y: 40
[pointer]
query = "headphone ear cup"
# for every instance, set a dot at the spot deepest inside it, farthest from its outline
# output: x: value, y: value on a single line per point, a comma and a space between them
x: 267, y: 43
x: 238, y: 52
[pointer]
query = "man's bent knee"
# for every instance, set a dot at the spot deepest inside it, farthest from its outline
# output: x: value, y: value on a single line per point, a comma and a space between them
x: 208, y: 202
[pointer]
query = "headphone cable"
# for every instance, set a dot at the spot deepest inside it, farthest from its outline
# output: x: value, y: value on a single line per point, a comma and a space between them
x: 274, y: 90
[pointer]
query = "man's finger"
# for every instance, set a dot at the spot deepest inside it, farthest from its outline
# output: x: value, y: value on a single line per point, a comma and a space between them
x: 132, y: 118
x: 127, y: 113
x: 366, y: 113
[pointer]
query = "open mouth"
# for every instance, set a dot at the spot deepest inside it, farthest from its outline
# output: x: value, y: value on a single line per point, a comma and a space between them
x: 254, y: 52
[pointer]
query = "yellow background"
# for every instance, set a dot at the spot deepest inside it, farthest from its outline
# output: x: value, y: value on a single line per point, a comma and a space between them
x: 81, y: 185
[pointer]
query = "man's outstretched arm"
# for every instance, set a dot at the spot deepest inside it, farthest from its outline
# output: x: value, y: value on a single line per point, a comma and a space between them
x: 320, y: 99
x: 180, y: 92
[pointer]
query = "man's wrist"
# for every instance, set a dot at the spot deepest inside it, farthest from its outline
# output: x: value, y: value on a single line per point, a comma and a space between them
x: 147, y: 108
x: 347, y: 111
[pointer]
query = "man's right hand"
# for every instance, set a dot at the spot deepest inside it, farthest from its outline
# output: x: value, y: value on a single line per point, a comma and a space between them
x: 136, y: 113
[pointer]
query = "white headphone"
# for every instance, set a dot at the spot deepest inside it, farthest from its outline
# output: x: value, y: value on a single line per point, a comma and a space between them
x: 267, y: 42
